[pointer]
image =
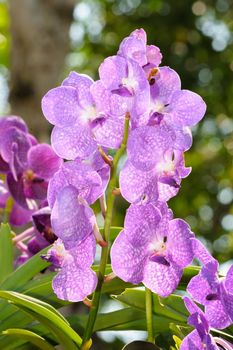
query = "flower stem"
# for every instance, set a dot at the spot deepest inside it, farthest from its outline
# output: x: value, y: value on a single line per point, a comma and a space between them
x: 105, y: 250
x: 149, y: 316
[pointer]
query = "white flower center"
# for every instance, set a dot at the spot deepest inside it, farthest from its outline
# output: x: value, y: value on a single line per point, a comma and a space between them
x: 130, y: 83
x: 156, y: 106
x: 88, y: 114
x: 157, y: 247
x: 59, y: 251
x: 165, y: 166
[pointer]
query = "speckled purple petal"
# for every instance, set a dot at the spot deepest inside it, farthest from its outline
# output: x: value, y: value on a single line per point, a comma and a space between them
x: 227, y: 298
x: 200, y: 252
x: 71, y: 219
x: 101, y: 97
x: 74, y: 283
x: 73, y: 142
x: 135, y: 48
x: 82, y: 83
x: 191, y: 306
x: 217, y: 315
x: 102, y: 168
x: 140, y: 110
x: 110, y: 133
x: 60, y: 106
x: 193, y: 342
x: 137, y: 185
x: 187, y: 108
x: 140, y: 34
x: 127, y: 260
x: 167, y: 82
x: 140, y: 224
x: 179, y: 244
x: 153, y: 55
x: 147, y: 144
x: 204, y: 284
x: 81, y: 176
x: 161, y: 278
x: 167, y: 191
x: 84, y: 252
x: 112, y: 71
x: 229, y: 280
x: 183, y: 139
x: 43, y: 161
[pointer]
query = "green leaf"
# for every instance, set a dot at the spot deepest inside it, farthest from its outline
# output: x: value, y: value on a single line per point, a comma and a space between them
x: 6, y: 252
x: 34, y: 338
x: 25, y: 272
x: 177, y: 341
x: 189, y: 272
x: 125, y: 319
x: 40, y: 302
x: 171, y: 307
x: 114, y: 231
x: 39, y: 309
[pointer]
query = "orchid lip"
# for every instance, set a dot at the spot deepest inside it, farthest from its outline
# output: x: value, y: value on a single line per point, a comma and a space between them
x: 157, y: 258
x: 212, y: 297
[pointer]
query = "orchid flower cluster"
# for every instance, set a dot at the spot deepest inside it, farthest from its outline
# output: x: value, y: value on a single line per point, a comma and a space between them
x: 138, y: 103
x: 139, y: 107
x: 26, y: 168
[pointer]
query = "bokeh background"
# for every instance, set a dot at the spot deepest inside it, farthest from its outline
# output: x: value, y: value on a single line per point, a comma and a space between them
x: 42, y: 40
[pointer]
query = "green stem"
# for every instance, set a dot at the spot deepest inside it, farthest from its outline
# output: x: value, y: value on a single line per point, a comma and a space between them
x: 149, y: 316
x: 105, y: 250
x: 7, y: 210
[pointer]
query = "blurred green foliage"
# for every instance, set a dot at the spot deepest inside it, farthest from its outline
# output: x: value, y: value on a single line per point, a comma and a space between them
x: 196, y: 39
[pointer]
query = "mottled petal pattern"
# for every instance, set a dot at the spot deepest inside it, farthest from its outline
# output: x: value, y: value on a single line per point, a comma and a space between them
x: 60, y: 106
x: 127, y: 260
x: 71, y: 219
x: 70, y: 142
x: 179, y: 244
x: 137, y: 185
x: 187, y: 108
x: 161, y: 278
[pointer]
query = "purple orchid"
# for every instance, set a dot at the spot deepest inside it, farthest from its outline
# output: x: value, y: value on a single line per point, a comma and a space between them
x: 14, y: 145
x: 31, y: 184
x: 161, y: 183
x: 18, y: 215
x: 152, y: 249
x: 89, y: 177
x: 134, y: 47
x: 177, y: 108
x: 44, y: 234
x: 215, y: 294
x: 81, y: 109
x: 128, y: 85
x: 199, y: 339
x: 75, y: 279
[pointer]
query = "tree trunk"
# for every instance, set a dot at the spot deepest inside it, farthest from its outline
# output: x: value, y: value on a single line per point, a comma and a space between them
x: 40, y: 42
